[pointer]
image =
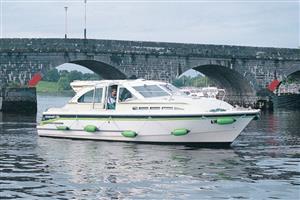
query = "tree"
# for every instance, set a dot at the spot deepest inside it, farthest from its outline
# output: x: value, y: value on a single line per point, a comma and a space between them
x: 52, y: 75
x: 64, y: 84
x: 182, y: 81
x: 63, y: 73
x: 178, y: 82
x: 64, y: 77
x: 74, y: 75
x: 90, y: 76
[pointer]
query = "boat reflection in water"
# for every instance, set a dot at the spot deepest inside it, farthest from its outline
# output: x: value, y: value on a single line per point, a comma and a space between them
x: 144, y: 111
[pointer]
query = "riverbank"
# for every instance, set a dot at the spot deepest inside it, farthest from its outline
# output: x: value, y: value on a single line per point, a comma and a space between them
x: 52, y: 88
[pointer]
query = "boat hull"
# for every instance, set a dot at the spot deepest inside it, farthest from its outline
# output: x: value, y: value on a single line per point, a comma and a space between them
x: 203, y: 130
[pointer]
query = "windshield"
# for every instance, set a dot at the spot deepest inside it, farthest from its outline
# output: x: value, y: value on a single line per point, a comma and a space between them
x: 151, y: 91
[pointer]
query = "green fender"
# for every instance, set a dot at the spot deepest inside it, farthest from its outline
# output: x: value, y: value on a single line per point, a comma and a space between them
x: 90, y: 128
x: 225, y: 120
x: 130, y: 134
x: 180, y: 131
x: 63, y: 128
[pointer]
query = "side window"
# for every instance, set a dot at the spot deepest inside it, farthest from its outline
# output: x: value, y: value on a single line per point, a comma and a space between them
x: 89, y: 96
x: 124, y: 94
x: 98, y: 95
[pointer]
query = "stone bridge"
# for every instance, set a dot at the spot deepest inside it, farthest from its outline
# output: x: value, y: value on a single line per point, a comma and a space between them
x: 240, y: 70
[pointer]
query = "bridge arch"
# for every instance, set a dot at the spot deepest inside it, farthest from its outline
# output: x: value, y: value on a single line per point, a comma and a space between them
x: 294, y: 68
x: 295, y: 73
x: 291, y: 78
x: 230, y: 80
x: 104, y: 70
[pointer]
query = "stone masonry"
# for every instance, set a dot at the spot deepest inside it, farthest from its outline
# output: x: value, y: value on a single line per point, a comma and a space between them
x: 240, y: 70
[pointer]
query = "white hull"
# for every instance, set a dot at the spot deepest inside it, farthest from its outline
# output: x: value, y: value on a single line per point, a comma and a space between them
x: 151, y: 130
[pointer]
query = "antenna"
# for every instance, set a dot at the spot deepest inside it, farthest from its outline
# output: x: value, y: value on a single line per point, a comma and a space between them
x: 84, y: 32
x: 66, y: 22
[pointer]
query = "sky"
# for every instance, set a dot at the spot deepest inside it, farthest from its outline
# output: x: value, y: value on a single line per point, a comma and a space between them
x: 236, y: 22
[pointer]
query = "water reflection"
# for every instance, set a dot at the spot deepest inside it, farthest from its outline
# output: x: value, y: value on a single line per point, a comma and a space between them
x: 118, y: 169
x: 273, y: 129
x: 23, y: 173
x: 17, y: 118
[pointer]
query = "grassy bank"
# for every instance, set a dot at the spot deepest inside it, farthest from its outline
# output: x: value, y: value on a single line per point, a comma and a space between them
x: 51, y: 88
x: 45, y: 86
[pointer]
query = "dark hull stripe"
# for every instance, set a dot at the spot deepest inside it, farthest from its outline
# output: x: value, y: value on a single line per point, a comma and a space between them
x: 218, y: 145
x: 151, y: 116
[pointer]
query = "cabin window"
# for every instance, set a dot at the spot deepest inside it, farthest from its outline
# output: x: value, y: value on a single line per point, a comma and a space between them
x: 47, y: 117
x: 88, y: 97
x: 177, y: 108
x: 151, y: 91
x: 154, y: 108
x: 143, y: 108
x: 125, y: 95
x: 98, y: 95
x: 167, y: 108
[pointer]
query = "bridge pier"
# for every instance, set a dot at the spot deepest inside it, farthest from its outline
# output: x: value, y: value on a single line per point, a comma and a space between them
x: 18, y: 100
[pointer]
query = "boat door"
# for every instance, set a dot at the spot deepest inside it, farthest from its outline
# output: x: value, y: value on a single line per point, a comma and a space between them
x: 93, y: 98
x: 111, y: 97
x: 98, y: 97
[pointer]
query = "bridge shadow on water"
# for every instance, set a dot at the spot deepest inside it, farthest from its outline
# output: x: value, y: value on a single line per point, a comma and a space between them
x: 17, y: 118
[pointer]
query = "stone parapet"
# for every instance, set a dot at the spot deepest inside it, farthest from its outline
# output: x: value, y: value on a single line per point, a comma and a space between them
x: 14, y: 45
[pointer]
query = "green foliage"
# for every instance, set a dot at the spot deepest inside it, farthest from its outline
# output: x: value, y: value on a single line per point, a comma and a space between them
x: 178, y: 82
x: 63, y: 73
x: 89, y: 76
x: 52, y: 75
x: 74, y: 75
x: 57, y: 81
x: 64, y: 84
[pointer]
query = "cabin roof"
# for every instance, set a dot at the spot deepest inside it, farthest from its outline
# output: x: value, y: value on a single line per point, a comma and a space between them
x: 78, y: 85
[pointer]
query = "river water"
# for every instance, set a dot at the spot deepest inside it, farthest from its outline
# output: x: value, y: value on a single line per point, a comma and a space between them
x: 263, y: 163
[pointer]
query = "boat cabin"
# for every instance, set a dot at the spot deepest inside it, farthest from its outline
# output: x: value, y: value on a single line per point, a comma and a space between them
x: 109, y: 94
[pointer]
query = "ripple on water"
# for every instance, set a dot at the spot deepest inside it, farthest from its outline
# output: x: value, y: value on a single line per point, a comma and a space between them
x: 263, y: 164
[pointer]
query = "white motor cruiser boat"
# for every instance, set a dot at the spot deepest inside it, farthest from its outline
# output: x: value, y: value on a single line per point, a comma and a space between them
x: 143, y: 111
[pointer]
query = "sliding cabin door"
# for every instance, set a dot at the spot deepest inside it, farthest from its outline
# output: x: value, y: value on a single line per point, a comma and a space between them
x: 98, y: 100
x: 92, y: 99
